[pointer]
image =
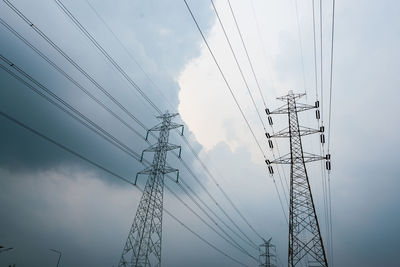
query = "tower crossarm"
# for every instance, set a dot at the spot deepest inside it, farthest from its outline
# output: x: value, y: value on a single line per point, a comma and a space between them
x: 287, y: 159
x: 302, y: 131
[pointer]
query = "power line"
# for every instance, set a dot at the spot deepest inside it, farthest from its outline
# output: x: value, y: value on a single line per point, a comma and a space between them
x: 329, y: 127
x: 62, y: 72
x: 74, y: 113
x: 115, y: 175
x: 238, y: 65
x: 227, y: 84
x: 129, y: 53
x: 300, y: 45
x: 74, y: 63
x: 215, y: 201
x: 224, y: 78
x: 183, y: 183
x: 247, y: 53
x: 70, y: 60
x: 86, y: 121
x: 230, y: 241
x: 104, y: 52
x: 71, y: 79
x: 315, y: 52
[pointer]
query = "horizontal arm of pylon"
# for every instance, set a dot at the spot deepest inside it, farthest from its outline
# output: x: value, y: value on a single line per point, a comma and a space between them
x: 299, y: 108
x: 161, y: 126
x: 281, y: 110
x: 303, y: 131
x: 291, y: 95
x: 303, y: 107
x: 286, y: 159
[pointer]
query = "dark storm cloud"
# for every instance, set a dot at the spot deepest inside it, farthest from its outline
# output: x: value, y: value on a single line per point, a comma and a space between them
x: 42, y: 185
x: 154, y: 38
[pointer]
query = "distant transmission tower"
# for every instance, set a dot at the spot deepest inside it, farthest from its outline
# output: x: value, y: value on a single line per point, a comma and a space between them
x: 305, y: 241
x: 143, y: 245
x: 268, y: 254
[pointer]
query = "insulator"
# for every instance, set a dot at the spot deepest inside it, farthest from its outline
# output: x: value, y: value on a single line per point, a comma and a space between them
x: 267, y: 111
x: 317, y: 104
x: 268, y: 135
x: 328, y: 156
x: 328, y: 165
x: 271, y: 170
x: 317, y: 115
x: 270, y: 120
x: 268, y: 162
x: 271, y: 145
x: 322, y: 139
x: 322, y: 129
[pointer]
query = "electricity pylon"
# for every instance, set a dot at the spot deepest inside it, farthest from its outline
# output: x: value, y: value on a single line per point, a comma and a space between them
x: 143, y: 245
x: 268, y: 254
x: 305, y: 241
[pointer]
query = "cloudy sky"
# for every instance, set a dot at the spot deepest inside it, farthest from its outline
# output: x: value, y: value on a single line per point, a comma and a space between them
x: 50, y: 198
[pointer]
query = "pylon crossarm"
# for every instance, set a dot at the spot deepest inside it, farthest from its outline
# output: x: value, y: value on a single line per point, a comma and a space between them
x: 281, y: 110
x: 161, y: 126
x: 291, y: 95
x: 303, y: 107
x: 309, y: 157
x: 286, y: 134
x: 166, y: 147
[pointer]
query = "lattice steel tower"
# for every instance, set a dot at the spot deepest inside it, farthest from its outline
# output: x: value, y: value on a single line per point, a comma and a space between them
x: 305, y: 241
x: 268, y: 254
x: 143, y: 245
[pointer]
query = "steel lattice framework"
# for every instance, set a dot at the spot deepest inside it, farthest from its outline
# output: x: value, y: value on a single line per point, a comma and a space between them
x: 143, y: 245
x: 305, y: 241
x: 268, y: 254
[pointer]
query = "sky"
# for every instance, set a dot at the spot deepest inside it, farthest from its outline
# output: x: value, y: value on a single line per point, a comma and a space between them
x: 51, y: 199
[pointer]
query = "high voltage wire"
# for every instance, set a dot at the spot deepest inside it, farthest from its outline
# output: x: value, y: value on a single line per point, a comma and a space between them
x: 265, y: 106
x: 230, y: 240
x: 244, y: 79
x: 300, y: 45
x: 329, y: 126
x: 104, y: 52
x: 93, y: 81
x: 192, y: 150
x: 215, y: 201
x: 74, y: 113
x: 86, y: 122
x: 93, y: 40
x: 238, y: 65
x: 54, y: 142
x: 129, y: 53
x: 315, y: 51
x: 70, y: 60
x: 224, y: 78
x: 62, y: 72
x: 247, y: 53
x: 231, y: 91
x: 183, y: 183
x: 323, y: 174
x: 47, y: 39
x: 222, y: 190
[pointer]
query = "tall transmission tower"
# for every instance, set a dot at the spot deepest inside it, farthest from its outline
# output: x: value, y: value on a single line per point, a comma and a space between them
x: 305, y: 241
x: 143, y: 245
x: 268, y: 254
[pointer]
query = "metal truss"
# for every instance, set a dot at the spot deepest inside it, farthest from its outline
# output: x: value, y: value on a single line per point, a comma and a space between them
x: 267, y: 254
x: 305, y: 241
x: 143, y: 245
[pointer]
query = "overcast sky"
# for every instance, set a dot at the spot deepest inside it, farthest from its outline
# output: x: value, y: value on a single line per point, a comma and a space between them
x: 49, y: 198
